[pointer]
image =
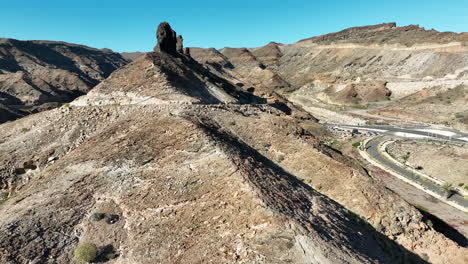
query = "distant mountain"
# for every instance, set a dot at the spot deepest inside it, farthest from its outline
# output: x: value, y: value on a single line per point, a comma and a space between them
x: 131, y: 56
x: 358, y: 66
x: 48, y: 73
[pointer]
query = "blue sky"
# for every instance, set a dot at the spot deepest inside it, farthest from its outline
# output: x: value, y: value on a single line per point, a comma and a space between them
x: 131, y: 25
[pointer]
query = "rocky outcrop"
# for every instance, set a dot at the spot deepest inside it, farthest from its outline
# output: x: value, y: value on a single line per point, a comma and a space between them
x: 166, y: 77
x: 180, y: 44
x: 166, y: 39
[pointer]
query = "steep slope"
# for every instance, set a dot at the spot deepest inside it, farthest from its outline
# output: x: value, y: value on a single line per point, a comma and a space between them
x: 163, y: 78
x: 33, y: 73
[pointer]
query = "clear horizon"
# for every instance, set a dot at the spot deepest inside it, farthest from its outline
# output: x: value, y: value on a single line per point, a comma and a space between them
x: 125, y: 27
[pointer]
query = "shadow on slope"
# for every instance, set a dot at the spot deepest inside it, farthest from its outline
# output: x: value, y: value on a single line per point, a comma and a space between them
x: 191, y: 78
x: 287, y: 195
x: 442, y: 227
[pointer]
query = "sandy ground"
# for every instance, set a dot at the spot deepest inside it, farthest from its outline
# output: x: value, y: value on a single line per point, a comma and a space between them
x: 445, y: 162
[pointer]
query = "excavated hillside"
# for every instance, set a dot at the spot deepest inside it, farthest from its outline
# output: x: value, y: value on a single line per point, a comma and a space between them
x: 38, y: 75
x: 358, y: 66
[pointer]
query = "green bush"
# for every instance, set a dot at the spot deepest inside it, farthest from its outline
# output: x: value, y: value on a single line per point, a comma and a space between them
x: 356, y: 144
x: 86, y: 252
x: 280, y: 157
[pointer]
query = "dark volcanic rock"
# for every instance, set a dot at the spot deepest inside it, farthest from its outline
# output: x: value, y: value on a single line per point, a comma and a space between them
x: 180, y: 44
x: 167, y: 40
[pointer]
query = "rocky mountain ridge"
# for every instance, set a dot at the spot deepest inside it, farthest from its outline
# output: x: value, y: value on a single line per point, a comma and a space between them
x: 37, y: 75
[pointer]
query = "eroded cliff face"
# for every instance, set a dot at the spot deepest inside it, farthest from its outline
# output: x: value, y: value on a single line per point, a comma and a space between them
x: 37, y: 75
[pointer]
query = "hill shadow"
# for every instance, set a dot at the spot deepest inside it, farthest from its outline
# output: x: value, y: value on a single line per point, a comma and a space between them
x: 286, y: 194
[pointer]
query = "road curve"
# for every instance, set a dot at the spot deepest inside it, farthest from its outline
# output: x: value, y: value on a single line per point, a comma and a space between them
x: 394, y: 131
x: 372, y: 149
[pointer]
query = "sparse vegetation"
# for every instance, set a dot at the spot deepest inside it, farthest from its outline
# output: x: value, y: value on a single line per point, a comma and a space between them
x: 356, y: 144
x: 97, y: 216
x: 406, y: 157
x: 360, y: 106
x: 66, y: 105
x: 3, y: 197
x: 425, y: 257
x: 86, y: 252
x: 421, y: 208
x: 449, y: 189
x: 335, y: 144
x: 24, y: 129
x: 280, y: 157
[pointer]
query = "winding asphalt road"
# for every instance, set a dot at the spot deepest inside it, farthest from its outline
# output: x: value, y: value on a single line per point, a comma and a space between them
x: 458, y: 136
x: 372, y: 149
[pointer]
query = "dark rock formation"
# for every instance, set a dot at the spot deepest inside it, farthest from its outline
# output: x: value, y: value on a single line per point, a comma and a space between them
x: 187, y: 51
x: 167, y: 39
x: 180, y: 44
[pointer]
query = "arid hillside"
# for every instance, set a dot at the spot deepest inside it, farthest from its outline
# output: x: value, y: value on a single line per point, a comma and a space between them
x: 38, y: 75
x: 166, y: 161
x: 356, y: 67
